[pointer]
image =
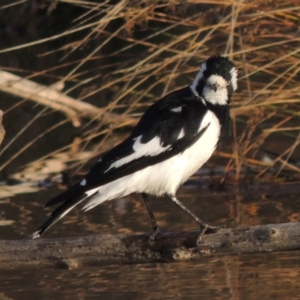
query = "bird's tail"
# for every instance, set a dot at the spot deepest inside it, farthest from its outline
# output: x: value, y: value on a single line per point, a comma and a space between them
x: 57, y: 214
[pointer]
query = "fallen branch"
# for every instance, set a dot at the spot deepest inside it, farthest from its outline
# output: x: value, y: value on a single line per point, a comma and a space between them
x: 127, y: 249
x: 53, y: 98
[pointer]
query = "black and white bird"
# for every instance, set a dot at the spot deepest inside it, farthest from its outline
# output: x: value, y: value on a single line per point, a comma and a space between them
x: 172, y: 140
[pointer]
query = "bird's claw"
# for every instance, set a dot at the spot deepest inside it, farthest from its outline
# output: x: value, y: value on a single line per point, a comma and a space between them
x: 207, y: 229
x: 154, y: 234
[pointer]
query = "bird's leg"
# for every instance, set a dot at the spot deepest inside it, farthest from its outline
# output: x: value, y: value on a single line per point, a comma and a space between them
x: 155, y: 227
x: 204, y: 226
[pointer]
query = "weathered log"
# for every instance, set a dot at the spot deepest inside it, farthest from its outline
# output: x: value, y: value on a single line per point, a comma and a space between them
x: 128, y: 249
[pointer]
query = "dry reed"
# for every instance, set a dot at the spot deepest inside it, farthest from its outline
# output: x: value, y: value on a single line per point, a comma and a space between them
x: 146, y: 49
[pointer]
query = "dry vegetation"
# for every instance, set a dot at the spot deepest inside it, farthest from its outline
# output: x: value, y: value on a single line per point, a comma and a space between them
x: 141, y: 50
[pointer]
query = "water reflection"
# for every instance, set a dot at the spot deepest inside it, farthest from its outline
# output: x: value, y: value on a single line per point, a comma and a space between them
x: 260, y: 276
x: 263, y: 276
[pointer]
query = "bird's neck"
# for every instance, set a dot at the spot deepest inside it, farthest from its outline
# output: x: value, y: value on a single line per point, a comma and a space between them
x: 223, y: 114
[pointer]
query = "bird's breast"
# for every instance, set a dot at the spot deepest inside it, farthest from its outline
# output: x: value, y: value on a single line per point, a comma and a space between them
x: 166, y: 177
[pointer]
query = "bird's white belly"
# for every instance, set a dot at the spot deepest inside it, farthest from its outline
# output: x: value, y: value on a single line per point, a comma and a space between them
x: 167, y: 176
x: 164, y: 177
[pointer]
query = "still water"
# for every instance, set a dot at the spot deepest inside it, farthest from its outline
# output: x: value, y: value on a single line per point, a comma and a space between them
x: 263, y: 276
x: 259, y: 276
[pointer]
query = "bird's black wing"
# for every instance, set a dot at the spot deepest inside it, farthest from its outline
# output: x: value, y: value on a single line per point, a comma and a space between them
x: 179, y: 113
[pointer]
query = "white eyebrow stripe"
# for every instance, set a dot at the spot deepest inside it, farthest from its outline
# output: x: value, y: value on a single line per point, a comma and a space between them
x: 234, y: 73
x: 199, y: 76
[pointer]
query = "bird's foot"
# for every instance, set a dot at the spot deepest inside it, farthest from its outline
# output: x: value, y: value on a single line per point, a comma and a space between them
x: 206, y: 229
x: 156, y: 232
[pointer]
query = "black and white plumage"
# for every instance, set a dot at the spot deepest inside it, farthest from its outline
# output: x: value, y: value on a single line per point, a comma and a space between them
x: 172, y: 140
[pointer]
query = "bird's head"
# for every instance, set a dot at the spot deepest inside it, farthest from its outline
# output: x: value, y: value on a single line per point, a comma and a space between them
x: 216, y: 80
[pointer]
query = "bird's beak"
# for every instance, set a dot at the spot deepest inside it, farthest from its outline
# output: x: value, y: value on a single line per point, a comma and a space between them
x: 214, y: 87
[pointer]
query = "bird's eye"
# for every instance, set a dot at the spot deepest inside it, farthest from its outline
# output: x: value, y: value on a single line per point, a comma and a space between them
x: 228, y: 82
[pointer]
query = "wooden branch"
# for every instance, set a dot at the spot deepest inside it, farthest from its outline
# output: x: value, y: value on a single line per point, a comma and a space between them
x: 122, y: 249
x: 53, y: 98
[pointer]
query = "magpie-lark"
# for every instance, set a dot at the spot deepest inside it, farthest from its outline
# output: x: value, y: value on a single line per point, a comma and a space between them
x: 172, y: 140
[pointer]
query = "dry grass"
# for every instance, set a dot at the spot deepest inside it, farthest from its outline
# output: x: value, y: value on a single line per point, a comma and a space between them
x: 145, y: 49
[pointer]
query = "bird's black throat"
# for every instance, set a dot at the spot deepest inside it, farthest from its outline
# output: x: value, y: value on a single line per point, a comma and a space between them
x: 223, y: 114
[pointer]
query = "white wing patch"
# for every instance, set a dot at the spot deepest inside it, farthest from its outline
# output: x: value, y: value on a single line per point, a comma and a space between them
x: 151, y: 148
x: 177, y: 109
x: 181, y: 134
x: 91, y: 192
